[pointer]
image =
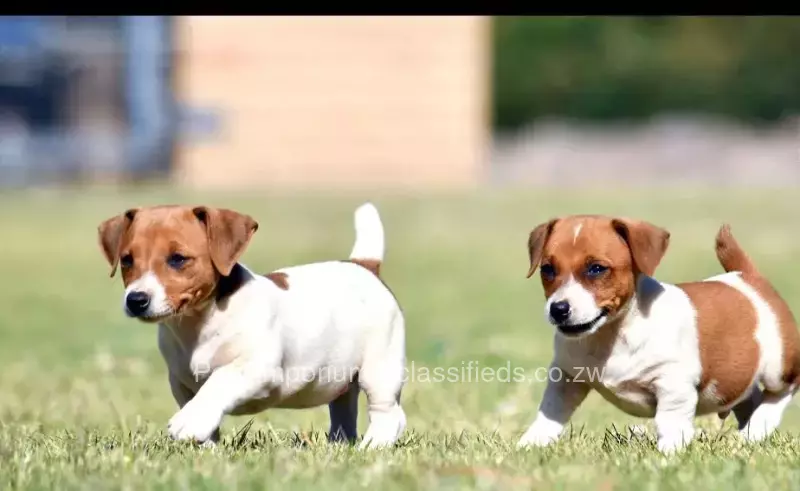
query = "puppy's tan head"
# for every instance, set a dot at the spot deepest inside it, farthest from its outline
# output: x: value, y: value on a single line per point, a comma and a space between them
x: 172, y: 257
x: 589, y: 264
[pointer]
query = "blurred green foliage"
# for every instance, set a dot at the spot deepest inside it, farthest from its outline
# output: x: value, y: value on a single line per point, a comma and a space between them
x: 630, y: 68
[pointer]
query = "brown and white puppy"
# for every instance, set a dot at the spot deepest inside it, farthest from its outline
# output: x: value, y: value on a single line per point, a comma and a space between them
x: 656, y: 350
x: 236, y: 342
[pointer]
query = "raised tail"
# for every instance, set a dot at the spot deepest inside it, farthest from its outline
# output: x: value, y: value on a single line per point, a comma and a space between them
x: 731, y: 255
x: 368, y: 248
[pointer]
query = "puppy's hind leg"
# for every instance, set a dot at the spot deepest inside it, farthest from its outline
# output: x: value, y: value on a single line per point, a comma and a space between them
x: 382, y: 377
x: 344, y: 415
x: 745, y: 408
x: 766, y: 417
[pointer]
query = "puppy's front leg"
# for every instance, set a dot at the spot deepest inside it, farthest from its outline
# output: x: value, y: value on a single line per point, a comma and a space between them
x: 182, y: 396
x: 226, y: 388
x: 561, y: 398
x: 675, y: 410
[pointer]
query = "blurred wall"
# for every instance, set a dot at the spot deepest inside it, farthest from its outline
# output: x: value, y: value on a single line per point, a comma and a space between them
x: 347, y: 101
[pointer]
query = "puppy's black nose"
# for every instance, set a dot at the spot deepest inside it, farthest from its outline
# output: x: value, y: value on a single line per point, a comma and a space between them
x: 137, y: 302
x: 559, y: 311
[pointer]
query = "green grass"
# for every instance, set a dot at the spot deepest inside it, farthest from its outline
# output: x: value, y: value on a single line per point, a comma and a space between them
x: 84, y: 399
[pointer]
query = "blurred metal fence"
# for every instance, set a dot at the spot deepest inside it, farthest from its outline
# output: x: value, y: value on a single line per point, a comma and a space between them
x: 85, y: 98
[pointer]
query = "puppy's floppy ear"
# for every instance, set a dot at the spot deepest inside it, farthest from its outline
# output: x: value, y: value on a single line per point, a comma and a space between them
x: 647, y: 242
x: 110, y: 234
x: 536, y: 242
x: 228, y: 233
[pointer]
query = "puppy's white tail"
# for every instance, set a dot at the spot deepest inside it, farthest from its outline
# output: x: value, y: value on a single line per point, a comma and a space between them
x: 369, y: 244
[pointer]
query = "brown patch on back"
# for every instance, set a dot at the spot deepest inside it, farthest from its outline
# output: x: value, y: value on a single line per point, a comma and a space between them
x: 733, y: 258
x: 729, y: 352
x: 373, y: 265
x: 280, y: 279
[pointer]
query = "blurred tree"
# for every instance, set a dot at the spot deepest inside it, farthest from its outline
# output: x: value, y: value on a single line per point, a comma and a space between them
x: 602, y: 68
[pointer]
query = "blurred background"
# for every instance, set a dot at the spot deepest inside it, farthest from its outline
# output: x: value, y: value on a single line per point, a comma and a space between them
x: 226, y: 102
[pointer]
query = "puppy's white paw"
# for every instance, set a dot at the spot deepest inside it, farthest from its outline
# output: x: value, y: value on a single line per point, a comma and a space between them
x: 673, y: 441
x: 537, y: 439
x: 542, y: 432
x: 755, y: 432
x: 384, y: 429
x: 194, y: 422
x: 375, y: 441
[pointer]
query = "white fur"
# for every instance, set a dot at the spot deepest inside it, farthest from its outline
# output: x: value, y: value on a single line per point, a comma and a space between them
x: 294, y: 348
x: 578, y: 228
x: 369, y: 242
x: 659, y: 350
x: 583, y: 307
x: 149, y: 284
x: 768, y: 415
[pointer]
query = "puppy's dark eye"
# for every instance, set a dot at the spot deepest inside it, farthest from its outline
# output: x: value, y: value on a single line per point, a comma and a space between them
x: 126, y: 261
x: 594, y: 270
x: 548, y: 271
x: 177, y: 260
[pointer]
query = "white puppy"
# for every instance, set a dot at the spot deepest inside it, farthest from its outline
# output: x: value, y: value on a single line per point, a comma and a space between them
x: 236, y: 342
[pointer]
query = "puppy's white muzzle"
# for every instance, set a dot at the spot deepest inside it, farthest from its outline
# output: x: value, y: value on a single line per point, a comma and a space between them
x: 584, y: 317
x: 146, y: 298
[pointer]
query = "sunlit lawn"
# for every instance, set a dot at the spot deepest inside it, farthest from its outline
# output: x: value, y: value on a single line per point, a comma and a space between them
x: 85, y: 401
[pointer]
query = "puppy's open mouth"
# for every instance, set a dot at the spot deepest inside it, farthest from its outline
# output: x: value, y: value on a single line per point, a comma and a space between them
x: 155, y: 318
x: 150, y: 318
x: 578, y: 329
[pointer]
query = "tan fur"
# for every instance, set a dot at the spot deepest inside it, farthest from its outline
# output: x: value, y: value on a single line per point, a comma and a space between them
x: 733, y: 258
x: 726, y: 318
x: 227, y: 234
x: 624, y: 246
x: 729, y: 353
x: 536, y: 241
x: 280, y: 279
x: 743, y: 332
x: 371, y: 265
x: 647, y: 243
x: 142, y: 240
x: 234, y: 343
x: 110, y: 233
x: 727, y: 324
